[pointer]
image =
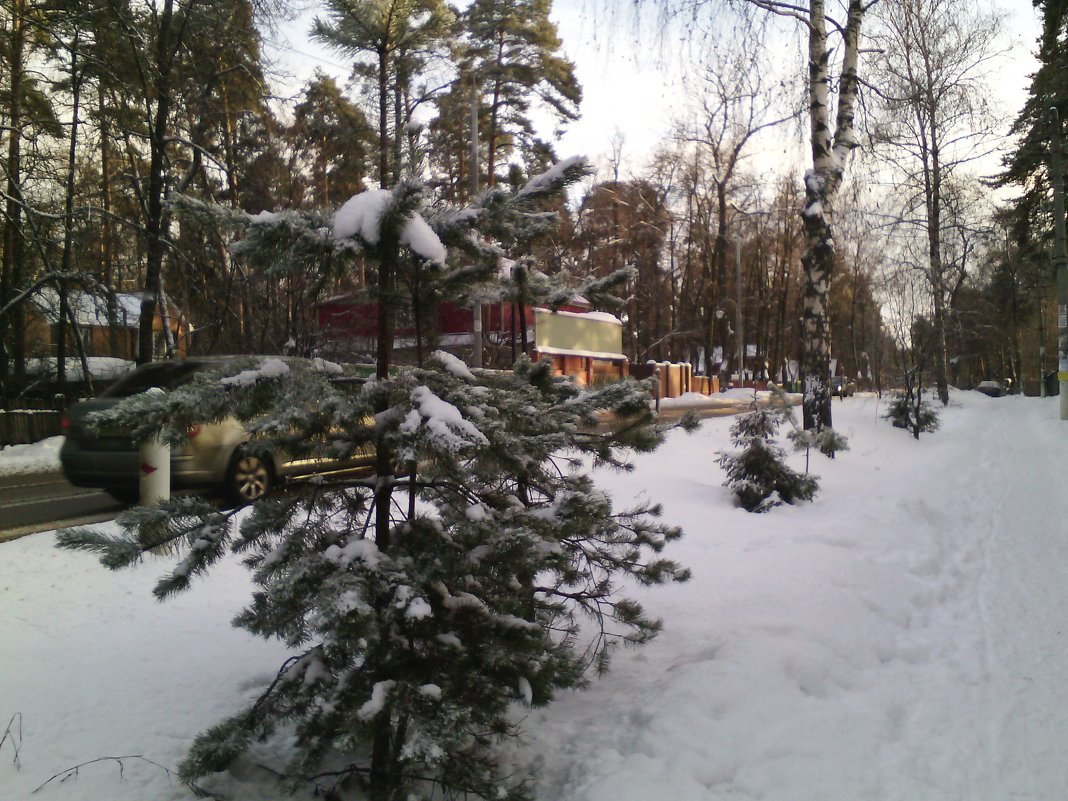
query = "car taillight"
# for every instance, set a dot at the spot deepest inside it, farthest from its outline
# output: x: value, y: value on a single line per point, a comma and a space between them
x: 64, y: 424
x: 193, y: 432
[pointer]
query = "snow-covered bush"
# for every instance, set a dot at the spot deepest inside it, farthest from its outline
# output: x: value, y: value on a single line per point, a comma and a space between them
x: 912, y: 411
x: 757, y: 470
x: 421, y: 603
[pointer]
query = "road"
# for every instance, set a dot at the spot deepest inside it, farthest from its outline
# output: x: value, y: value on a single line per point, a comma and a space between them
x: 41, y: 501
x: 38, y: 501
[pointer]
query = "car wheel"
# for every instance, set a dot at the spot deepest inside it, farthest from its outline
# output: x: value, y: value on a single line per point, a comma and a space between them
x: 124, y: 495
x: 248, y: 478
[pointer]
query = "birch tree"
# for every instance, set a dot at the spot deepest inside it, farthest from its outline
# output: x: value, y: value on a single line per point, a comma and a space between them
x: 739, y: 98
x: 933, y: 123
x: 833, y: 54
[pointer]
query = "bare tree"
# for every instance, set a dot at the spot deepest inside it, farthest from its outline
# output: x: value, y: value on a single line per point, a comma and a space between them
x: 833, y: 54
x: 738, y: 98
x: 932, y: 122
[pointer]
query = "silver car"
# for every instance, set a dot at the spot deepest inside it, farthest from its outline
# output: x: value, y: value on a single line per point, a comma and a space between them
x: 212, y: 457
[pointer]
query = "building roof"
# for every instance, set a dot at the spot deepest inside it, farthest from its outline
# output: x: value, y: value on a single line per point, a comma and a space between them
x: 89, y: 309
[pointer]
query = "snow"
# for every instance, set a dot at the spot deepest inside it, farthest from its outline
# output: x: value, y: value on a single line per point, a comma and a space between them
x: 269, y: 368
x: 37, y: 457
x: 900, y: 638
x: 540, y: 182
x: 362, y: 215
x: 453, y: 364
x: 421, y: 238
x: 443, y: 421
x: 89, y: 309
x: 593, y: 354
x: 377, y: 702
x: 363, y: 550
x: 601, y: 317
x: 100, y: 367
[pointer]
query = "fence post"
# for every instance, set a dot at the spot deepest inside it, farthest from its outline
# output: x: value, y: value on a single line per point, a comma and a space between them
x: 656, y: 374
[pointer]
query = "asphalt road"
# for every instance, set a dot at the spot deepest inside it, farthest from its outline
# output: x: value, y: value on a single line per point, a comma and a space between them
x: 40, y: 501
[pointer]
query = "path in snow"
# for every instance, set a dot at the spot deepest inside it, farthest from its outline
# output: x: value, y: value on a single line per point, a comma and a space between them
x: 1017, y: 599
x: 902, y: 638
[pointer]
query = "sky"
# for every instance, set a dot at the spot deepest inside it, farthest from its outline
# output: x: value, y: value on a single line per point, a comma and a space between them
x: 635, y: 80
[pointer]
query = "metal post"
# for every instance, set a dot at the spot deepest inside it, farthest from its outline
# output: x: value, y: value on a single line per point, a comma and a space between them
x: 738, y: 311
x: 1041, y: 351
x: 1060, y: 260
x: 476, y: 307
x: 155, y: 484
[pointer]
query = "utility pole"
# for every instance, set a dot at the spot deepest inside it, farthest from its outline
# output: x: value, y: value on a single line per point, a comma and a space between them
x: 476, y: 307
x: 1060, y: 260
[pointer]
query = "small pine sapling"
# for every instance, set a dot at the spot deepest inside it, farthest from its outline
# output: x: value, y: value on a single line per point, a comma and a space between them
x: 912, y: 411
x: 757, y: 470
x: 424, y: 602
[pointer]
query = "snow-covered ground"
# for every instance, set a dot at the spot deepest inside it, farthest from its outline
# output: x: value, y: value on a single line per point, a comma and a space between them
x: 904, y: 637
x: 36, y: 457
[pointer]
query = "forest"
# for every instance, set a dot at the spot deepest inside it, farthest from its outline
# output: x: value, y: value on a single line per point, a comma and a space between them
x: 118, y: 116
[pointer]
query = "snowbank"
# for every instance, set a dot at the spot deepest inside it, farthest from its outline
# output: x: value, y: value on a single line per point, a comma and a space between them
x: 37, y: 457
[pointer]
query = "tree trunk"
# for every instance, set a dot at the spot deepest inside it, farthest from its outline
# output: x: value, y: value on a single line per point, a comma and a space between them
x: 154, y: 224
x: 68, y: 213
x: 106, y: 245
x: 11, y: 266
x: 933, y: 180
x: 821, y: 190
x: 383, y: 119
x: 491, y: 138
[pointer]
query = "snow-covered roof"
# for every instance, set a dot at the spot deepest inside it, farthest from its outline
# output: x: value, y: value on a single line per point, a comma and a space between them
x: 100, y: 367
x: 601, y: 317
x: 89, y: 309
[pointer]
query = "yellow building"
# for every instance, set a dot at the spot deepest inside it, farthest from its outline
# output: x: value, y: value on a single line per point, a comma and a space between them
x: 585, y: 345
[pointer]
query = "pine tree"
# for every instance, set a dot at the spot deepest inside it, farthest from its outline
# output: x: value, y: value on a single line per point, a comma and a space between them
x: 333, y: 141
x: 1026, y: 166
x: 912, y: 411
x: 392, y: 34
x: 758, y: 472
x: 424, y: 602
x: 514, y: 53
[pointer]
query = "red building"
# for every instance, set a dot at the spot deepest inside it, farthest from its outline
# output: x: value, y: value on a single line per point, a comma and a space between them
x: 579, y: 342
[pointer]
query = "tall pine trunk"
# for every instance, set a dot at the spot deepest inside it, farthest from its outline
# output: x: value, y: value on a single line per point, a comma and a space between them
x: 107, y: 259
x: 383, y: 119
x: 11, y: 265
x: 154, y: 200
x: 381, y: 750
x: 68, y: 215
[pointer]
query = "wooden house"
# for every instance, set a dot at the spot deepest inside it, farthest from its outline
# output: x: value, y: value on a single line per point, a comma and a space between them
x: 100, y: 336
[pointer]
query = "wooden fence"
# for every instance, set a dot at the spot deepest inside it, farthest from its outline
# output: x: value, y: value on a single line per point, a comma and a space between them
x: 34, y: 419
x: 676, y: 379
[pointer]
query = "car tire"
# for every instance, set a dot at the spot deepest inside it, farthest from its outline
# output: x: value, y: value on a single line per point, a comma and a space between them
x: 126, y: 496
x: 248, y: 478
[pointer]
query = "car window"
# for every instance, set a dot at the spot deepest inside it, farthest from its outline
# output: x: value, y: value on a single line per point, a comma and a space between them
x: 165, y: 375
